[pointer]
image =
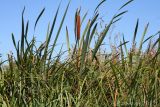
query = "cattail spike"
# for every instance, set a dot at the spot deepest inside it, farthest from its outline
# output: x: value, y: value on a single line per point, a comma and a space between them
x: 78, y: 24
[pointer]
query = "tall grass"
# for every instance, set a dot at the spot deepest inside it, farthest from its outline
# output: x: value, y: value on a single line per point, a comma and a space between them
x: 34, y: 77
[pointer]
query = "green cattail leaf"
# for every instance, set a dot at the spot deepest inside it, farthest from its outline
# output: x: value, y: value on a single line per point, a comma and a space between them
x: 60, y: 27
x: 150, y: 37
x: 120, y: 14
x: 14, y: 42
x: 22, y: 33
x: 116, y: 20
x: 29, y: 46
x: 49, y: 33
x: 149, y: 46
x: 125, y: 46
x: 18, y: 54
x: 84, y: 17
x: 26, y: 33
x: 67, y: 39
x: 144, y: 33
x: 92, y: 33
x: 124, y: 43
x: 156, y: 42
x: 25, y: 38
x: 52, y: 26
x: 126, y: 4
x: 84, y: 33
x: 122, y: 55
x: 101, y: 38
x: 84, y: 49
x: 147, y: 39
x: 46, y: 43
x: 94, y: 19
x: 135, y: 34
x: 86, y: 41
x: 99, y: 5
x: 39, y: 16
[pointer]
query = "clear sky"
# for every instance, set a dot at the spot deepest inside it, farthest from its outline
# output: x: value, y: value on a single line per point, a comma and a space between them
x: 10, y: 18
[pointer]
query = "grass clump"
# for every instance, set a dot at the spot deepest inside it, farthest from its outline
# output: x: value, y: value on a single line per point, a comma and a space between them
x: 87, y: 77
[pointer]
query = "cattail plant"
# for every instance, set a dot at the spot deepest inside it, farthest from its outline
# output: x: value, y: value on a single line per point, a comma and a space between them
x: 38, y: 77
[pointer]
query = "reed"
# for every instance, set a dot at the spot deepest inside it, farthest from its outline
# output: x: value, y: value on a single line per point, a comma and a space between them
x: 35, y: 77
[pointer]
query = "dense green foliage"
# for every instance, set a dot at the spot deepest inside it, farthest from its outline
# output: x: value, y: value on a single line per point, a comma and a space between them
x: 34, y: 77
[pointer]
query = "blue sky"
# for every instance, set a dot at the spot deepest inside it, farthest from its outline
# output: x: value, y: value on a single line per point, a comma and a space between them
x: 10, y: 18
